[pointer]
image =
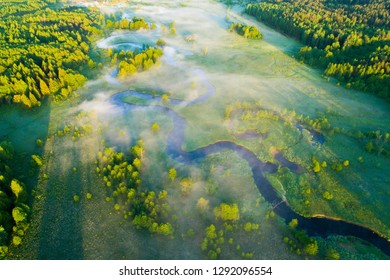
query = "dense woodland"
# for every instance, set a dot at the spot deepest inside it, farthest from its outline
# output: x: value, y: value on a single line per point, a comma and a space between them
x: 347, y: 38
x: 46, y: 49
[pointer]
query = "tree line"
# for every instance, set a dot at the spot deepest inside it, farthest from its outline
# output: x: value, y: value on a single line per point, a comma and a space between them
x: 349, y: 39
x: 134, y: 24
x: 13, y: 203
x: 249, y: 32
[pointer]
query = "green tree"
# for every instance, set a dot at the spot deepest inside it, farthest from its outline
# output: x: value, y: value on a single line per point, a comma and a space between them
x: 16, y: 240
x: 39, y: 143
x: 293, y: 224
x: 165, y: 229
x: 316, y: 167
x: 17, y: 188
x: 203, y: 204
x: 26, y: 101
x: 327, y: 195
x: 3, y: 252
x: 248, y: 227
x: 37, y: 160
x: 227, y: 212
x: 332, y: 254
x: 19, y: 214
x: 155, y: 128
x: 3, y: 237
x: 311, y: 248
x: 161, y: 42
x: 172, y: 174
x: 43, y: 87
x: 212, y: 255
x: 369, y: 147
x: 211, y: 232
x: 137, y: 163
x: 165, y: 98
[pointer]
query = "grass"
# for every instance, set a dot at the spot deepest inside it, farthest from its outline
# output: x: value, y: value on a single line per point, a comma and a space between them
x: 353, y: 195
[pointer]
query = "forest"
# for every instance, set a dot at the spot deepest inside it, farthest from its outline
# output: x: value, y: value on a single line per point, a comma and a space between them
x: 47, y: 49
x: 349, y: 39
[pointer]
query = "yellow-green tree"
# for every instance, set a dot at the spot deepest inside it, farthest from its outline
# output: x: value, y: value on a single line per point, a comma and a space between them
x: 17, y: 188
x: 227, y: 212
x: 311, y: 248
x: 155, y: 128
x: 172, y: 174
x: 43, y: 87
x: 165, y: 98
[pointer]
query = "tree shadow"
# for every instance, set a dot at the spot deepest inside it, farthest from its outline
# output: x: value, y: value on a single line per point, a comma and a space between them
x: 22, y: 127
x: 60, y: 232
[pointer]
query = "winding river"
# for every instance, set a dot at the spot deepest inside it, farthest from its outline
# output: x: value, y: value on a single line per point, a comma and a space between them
x: 315, y: 226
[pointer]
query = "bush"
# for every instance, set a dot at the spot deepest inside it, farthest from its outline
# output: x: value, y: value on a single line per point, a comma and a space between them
x: 19, y: 214
x: 16, y: 240
x: 332, y: 255
x: 155, y: 128
x: 161, y: 42
x: 293, y: 224
x: 39, y: 143
x: 327, y: 195
x: 37, y: 160
x: 212, y: 255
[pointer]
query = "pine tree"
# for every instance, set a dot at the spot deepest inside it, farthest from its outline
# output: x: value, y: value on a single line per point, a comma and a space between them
x: 43, y: 87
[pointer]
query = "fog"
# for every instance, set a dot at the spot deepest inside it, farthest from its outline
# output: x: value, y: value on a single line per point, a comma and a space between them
x: 202, y: 59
